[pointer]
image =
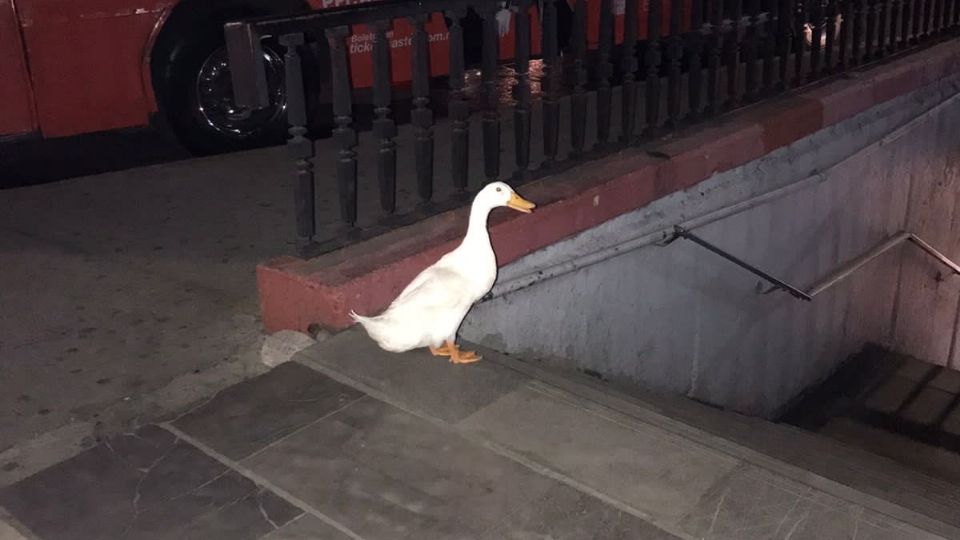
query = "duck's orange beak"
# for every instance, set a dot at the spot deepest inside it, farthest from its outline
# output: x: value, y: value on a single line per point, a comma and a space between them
x: 520, y: 204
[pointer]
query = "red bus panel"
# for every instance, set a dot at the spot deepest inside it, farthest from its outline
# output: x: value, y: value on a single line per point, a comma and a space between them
x: 86, y: 60
x: 16, y: 101
x: 360, y: 46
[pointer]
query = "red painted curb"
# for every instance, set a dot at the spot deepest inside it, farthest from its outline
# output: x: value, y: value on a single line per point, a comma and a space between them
x: 296, y: 293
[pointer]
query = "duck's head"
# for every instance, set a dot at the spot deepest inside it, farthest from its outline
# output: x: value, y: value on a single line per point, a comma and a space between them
x: 497, y: 194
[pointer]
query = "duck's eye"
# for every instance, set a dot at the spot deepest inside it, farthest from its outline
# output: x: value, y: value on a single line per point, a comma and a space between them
x: 499, y: 190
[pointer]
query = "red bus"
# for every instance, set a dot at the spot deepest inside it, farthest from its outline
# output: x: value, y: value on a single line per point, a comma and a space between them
x: 77, y: 66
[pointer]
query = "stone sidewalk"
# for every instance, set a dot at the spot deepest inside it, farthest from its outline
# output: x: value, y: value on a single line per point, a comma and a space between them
x: 350, y: 442
x: 118, y: 284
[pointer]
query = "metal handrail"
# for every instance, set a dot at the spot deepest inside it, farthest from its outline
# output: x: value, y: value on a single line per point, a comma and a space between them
x: 838, y: 275
x: 849, y: 268
x: 680, y: 232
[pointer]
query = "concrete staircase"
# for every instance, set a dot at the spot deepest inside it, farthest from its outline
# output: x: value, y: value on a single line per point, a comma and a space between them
x: 350, y: 442
x: 931, y: 460
x: 671, y: 460
x: 893, y: 406
x: 846, y: 466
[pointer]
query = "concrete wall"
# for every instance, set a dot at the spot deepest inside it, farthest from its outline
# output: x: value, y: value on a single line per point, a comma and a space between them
x: 680, y: 319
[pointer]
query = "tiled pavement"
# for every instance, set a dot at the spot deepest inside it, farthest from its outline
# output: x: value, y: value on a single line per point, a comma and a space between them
x: 350, y: 442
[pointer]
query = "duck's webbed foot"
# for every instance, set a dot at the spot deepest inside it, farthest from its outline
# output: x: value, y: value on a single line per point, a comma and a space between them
x: 443, y: 350
x: 461, y: 357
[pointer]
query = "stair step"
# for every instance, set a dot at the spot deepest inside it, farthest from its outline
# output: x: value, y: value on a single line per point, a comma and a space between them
x: 930, y: 460
x: 833, y: 466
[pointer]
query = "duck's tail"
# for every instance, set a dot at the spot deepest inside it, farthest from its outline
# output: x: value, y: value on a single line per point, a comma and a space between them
x: 378, y: 329
x: 369, y: 324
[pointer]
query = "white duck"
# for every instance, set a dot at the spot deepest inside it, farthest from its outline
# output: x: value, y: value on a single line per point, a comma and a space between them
x: 431, y: 308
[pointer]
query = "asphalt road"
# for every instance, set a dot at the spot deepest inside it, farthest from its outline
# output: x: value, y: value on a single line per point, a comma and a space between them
x: 36, y: 161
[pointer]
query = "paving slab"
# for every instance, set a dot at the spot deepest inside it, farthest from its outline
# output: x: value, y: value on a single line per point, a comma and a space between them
x: 385, y: 473
x: 659, y: 473
x: 145, y: 485
x: 306, y: 527
x: 563, y: 513
x: 419, y: 380
x: 750, y: 502
x: 249, y: 416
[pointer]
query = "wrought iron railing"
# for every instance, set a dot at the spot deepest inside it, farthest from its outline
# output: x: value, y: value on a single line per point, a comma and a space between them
x: 639, y: 69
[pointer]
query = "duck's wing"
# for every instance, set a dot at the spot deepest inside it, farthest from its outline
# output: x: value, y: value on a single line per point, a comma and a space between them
x: 435, y: 288
x: 416, y: 283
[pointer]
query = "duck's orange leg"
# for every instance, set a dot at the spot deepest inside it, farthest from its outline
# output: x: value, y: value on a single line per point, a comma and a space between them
x: 461, y: 357
x: 443, y: 350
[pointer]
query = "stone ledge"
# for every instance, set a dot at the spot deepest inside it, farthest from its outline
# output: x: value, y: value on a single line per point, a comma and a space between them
x: 296, y: 293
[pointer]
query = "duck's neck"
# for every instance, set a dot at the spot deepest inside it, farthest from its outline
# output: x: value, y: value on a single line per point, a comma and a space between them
x: 477, y: 236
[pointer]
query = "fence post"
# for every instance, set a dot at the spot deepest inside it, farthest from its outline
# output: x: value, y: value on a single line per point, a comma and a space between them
x: 695, y: 77
x: 551, y: 83
x: 384, y: 126
x: 732, y: 53
x: 422, y: 115
x: 784, y: 23
x: 343, y: 133
x: 714, y: 47
x: 457, y: 108
x: 769, y: 45
x: 816, y: 36
x: 751, y: 47
x: 488, y: 76
x: 578, y: 101
x: 674, y: 55
x: 521, y: 92
x: 604, y: 72
x: 829, y: 54
x: 652, y: 62
x: 299, y: 146
x: 629, y: 68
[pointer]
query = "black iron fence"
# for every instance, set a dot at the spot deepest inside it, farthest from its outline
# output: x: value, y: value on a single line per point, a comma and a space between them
x: 633, y: 69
